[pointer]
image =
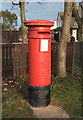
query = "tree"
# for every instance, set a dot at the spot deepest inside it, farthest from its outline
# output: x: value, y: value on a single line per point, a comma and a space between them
x: 9, y: 20
x: 20, y: 31
x: 22, y: 12
x: 21, y: 5
x: 65, y: 36
x: 78, y: 19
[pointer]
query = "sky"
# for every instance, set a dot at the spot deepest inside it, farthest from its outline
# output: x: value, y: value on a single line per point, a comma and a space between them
x: 34, y: 10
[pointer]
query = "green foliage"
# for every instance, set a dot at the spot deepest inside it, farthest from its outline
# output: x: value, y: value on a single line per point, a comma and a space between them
x: 9, y: 20
x: 76, y: 69
x: 20, y: 31
x: 69, y: 70
x: 66, y: 92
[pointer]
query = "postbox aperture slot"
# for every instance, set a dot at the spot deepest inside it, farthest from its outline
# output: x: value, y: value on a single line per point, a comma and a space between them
x: 43, y: 45
x: 44, y: 32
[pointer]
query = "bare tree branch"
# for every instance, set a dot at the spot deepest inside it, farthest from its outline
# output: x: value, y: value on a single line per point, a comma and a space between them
x: 15, y: 3
x: 81, y: 4
x: 76, y: 15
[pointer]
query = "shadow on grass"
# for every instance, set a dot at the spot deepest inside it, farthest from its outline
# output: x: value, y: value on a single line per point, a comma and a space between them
x: 23, y: 90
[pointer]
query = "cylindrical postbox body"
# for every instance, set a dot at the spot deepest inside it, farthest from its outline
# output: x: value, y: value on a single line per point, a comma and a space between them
x: 39, y: 61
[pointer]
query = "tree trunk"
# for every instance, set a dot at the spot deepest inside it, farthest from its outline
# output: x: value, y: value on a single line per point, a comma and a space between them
x: 65, y: 36
x: 79, y: 21
x: 81, y: 24
x: 22, y: 12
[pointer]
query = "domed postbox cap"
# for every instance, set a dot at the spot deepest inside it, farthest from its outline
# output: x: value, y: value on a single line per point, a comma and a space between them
x: 38, y: 23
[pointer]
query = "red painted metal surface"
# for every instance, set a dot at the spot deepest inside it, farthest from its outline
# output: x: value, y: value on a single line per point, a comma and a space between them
x: 39, y: 47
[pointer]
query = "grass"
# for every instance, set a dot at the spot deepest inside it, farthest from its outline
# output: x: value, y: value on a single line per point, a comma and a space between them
x: 67, y: 94
x: 14, y: 104
x: 64, y: 92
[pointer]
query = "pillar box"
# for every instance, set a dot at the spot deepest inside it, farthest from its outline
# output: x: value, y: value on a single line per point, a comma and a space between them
x: 39, y: 61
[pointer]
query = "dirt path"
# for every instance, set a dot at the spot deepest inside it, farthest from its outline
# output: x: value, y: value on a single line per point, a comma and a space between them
x: 49, y: 112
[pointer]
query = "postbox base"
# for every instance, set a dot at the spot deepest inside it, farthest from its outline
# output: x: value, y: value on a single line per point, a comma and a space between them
x: 39, y: 96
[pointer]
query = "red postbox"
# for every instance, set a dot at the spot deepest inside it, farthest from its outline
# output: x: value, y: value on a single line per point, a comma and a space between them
x: 39, y: 61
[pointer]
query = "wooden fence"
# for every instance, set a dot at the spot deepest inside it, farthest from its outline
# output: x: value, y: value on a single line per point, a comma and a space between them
x: 14, y: 59
x: 69, y: 57
x: 77, y: 66
x: 9, y: 36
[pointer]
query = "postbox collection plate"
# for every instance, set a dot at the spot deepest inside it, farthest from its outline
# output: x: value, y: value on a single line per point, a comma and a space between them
x: 43, y: 45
